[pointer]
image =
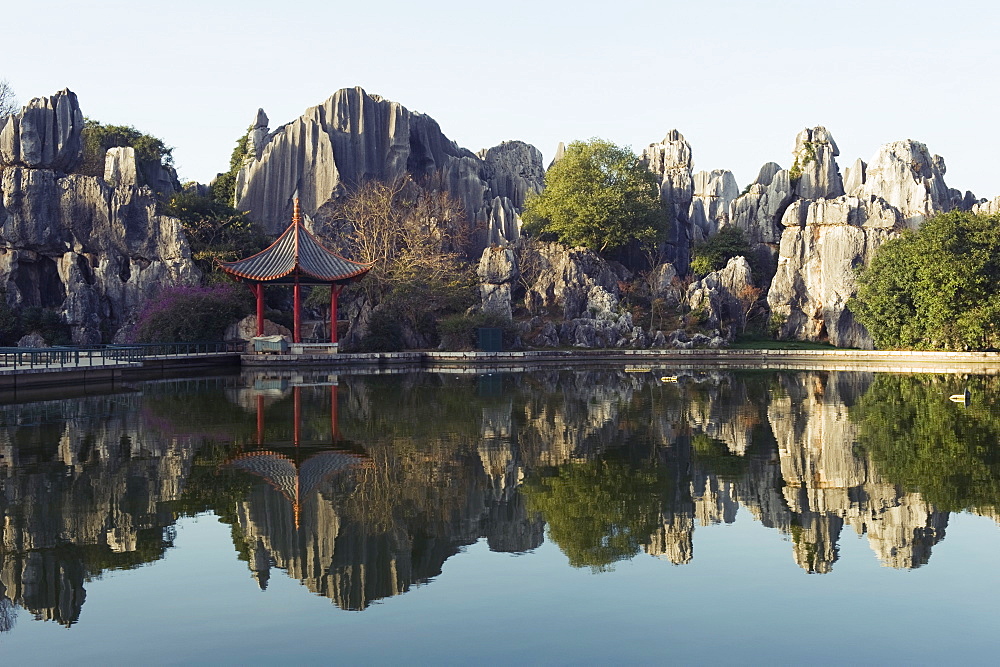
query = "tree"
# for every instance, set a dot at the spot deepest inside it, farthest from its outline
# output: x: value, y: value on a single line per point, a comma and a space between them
x: 224, y: 186
x: 936, y: 288
x: 8, y: 101
x: 216, y: 230
x: 98, y: 138
x: 598, y: 195
x: 919, y: 440
x: 416, y: 238
x: 598, y: 512
x: 713, y: 254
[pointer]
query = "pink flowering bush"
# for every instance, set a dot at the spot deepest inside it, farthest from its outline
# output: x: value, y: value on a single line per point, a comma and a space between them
x: 189, y: 314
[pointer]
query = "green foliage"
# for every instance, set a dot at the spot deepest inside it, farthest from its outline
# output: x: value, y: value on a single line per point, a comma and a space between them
x: 217, y: 232
x: 98, y: 138
x: 418, y: 302
x: 459, y: 331
x: 807, y: 155
x: 384, y: 333
x: 10, y: 326
x: 923, y: 442
x: 224, y: 186
x: 190, y: 314
x: 48, y: 323
x: 713, y: 455
x: 937, y: 288
x: 33, y: 319
x: 598, y: 195
x: 598, y: 512
x: 713, y: 254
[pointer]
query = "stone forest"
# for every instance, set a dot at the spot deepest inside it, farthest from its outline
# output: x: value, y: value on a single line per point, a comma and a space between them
x: 97, y: 235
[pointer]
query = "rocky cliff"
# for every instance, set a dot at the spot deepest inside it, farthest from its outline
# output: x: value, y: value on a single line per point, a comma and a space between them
x: 353, y: 137
x: 91, y: 249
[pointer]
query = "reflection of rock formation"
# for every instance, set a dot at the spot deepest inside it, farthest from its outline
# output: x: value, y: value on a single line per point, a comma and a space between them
x: 826, y: 485
x: 83, y: 481
x: 82, y: 484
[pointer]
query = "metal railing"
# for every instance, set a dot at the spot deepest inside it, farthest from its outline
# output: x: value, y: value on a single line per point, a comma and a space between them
x: 186, y: 349
x: 107, y: 355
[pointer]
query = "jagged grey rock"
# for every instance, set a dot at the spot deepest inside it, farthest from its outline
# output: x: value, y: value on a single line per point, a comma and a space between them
x: 714, y: 191
x: 353, y: 137
x: 120, y: 167
x: 909, y: 178
x: 576, y: 281
x: 497, y: 273
x: 815, y: 160
x: 670, y: 161
x: 718, y: 295
x: 92, y: 251
x: 44, y: 135
x: 854, y: 177
x: 816, y: 278
x: 758, y: 212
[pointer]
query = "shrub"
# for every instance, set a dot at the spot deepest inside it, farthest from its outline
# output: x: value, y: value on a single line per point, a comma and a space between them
x: 98, y: 138
x: 458, y: 332
x: 188, y: 314
x: 384, y: 333
x: 713, y: 254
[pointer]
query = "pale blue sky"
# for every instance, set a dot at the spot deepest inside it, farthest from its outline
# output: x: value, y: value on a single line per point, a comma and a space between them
x: 738, y: 78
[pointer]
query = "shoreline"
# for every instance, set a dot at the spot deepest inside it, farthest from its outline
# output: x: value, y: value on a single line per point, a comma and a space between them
x: 889, y: 361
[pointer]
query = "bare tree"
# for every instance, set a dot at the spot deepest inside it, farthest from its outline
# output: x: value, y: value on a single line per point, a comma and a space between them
x: 8, y: 101
x: 412, y: 235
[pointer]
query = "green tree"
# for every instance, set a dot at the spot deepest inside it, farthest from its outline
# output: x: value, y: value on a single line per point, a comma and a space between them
x: 150, y: 152
x: 598, y: 195
x: 598, y: 512
x: 936, y: 288
x: 224, y: 186
x: 713, y: 254
x: 923, y: 442
x: 216, y: 230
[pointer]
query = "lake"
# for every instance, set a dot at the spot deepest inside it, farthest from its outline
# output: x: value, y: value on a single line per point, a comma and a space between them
x: 559, y: 516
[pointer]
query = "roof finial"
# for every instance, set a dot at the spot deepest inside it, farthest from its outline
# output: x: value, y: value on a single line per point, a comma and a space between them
x: 296, y: 211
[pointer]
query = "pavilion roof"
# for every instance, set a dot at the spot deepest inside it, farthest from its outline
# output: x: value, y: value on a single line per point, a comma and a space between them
x: 297, y: 254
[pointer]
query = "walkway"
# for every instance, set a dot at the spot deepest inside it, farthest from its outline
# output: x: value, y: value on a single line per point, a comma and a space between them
x: 22, y: 367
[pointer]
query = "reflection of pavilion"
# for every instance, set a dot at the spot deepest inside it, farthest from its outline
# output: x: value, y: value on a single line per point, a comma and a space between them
x: 296, y: 469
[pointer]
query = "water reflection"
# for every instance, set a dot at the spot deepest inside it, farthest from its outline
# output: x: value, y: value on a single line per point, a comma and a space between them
x: 361, y: 487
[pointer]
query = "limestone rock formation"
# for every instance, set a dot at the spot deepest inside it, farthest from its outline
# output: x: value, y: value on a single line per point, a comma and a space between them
x: 498, y: 274
x: 714, y: 191
x: 814, y: 169
x: 758, y: 211
x: 353, y: 137
x: 94, y: 251
x: 828, y: 234
x: 816, y: 278
x: 910, y: 179
x: 44, y: 135
x: 717, y: 296
x: 670, y: 160
x: 576, y: 281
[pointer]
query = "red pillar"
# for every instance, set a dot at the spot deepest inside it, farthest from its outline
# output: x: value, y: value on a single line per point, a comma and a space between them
x: 297, y: 402
x: 260, y: 420
x: 259, y: 290
x: 334, y: 293
x: 334, y: 425
x: 297, y: 316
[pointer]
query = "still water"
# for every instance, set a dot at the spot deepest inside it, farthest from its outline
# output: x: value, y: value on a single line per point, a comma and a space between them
x: 556, y: 517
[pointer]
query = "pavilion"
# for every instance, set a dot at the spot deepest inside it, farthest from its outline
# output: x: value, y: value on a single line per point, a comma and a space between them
x: 297, y: 258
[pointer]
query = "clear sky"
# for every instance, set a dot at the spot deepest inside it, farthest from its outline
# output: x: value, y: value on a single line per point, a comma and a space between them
x: 739, y: 78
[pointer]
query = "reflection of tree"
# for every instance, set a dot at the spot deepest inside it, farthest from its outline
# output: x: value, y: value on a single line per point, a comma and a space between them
x: 598, y: 512
x: 919, y: 440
